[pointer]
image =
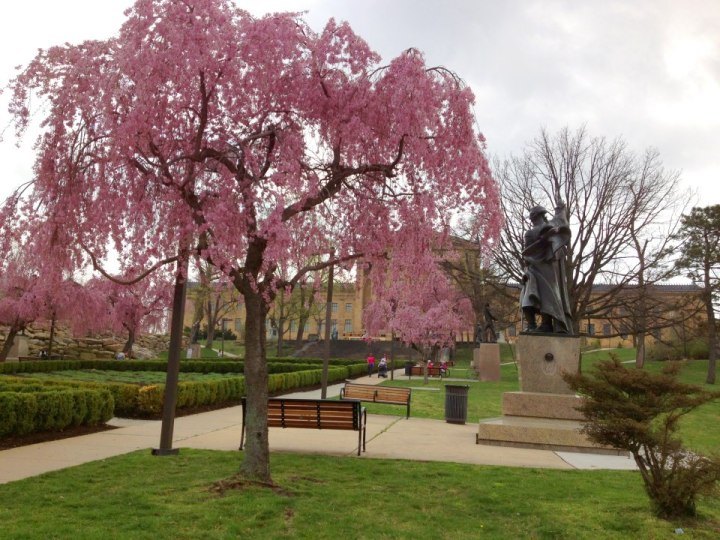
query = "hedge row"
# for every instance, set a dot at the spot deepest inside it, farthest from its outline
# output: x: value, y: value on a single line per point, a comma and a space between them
x: 29, y: 408
x: 132, y: 400
x: 230, y: 390
x: 275, y: 365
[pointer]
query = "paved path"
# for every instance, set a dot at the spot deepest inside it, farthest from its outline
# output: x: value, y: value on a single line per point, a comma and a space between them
x: 390, y: 437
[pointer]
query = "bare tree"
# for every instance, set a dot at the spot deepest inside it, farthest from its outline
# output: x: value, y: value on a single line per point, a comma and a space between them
x: 213, y: 300
x: 477, y: 277
x: 622, y: 208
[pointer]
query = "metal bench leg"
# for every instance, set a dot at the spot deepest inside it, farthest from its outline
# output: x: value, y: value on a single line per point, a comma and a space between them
x: 242, y: 429
x: 364, y: 430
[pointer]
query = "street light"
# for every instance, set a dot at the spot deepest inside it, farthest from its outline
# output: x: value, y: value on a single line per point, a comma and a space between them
x: 222, y: 339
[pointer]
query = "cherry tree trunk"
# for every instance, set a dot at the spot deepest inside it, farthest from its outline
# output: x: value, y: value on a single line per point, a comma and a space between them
x: 281, y: 331
x: 127, y: 348
x: 256, y: 463
x: 8, y: 344
x: 52, y: 337
x: 212, y: 321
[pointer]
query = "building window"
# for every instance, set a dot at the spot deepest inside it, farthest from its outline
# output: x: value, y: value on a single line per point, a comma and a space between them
x: 348, y: 326
x: 333, y: 328
x: 238, y: 325
x: 348, y: 307
x: 624, y: 331
x: 606, y: 329
x: 511, y: 330
x: 334, y: 307
x: 590, y: 329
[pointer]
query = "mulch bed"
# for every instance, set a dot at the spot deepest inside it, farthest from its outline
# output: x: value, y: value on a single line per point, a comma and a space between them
x: 33, y: 438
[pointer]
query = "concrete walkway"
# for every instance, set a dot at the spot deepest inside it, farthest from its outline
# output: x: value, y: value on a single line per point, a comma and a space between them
x: 391, y: 437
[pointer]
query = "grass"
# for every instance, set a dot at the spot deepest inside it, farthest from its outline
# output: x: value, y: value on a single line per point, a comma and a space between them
x: 626, y: 355
x: 428, y: 400
x: 140, y: 496
x: 698, y: 429
x: 204, y: 353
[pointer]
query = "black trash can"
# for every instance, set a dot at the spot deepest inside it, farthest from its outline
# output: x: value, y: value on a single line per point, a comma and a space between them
x: 456, y: 402
x: 408, y: 368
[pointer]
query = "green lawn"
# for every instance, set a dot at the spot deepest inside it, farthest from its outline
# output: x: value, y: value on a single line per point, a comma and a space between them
x: 204, y: 353
x: 139, y: 496
x: 698, y: 429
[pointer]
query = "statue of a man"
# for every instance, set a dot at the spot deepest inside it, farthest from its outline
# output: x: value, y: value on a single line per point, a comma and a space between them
x: 489, y: 330
x: 478, y: 333
x: 544, y: 289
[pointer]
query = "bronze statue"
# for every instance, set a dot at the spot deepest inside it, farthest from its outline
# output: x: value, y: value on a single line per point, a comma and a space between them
x: 489, y: 330
x: 485, y: 333
x: 478, y: 333
x: 544, y: 289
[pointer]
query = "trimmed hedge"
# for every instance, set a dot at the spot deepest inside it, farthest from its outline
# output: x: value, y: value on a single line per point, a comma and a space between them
x: 275, y: 365
x: 132, y: 400
x: 29, y: 408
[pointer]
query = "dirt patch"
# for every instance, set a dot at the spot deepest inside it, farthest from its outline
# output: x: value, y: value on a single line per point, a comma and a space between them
x: 33, y: 438
x: 239, y: 482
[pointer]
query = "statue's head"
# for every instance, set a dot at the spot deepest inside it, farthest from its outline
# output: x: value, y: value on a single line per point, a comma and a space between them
x: 536, y: 212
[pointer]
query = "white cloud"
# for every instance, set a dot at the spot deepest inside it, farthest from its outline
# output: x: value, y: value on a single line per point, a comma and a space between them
x: 647, y: 70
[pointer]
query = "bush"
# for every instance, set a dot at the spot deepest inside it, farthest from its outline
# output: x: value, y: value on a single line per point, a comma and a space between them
x: 29, y: 408
x: 132, y: 400
x: 663, y: 352
x: 698, y: 349
x: 639, y: 412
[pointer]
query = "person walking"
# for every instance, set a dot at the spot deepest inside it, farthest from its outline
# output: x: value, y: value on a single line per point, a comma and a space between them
x: 370, y: 364
x: 383, y: 367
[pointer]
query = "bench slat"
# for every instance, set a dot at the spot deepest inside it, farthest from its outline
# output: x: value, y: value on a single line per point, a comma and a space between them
x: 314, y: 414
x: 394, y: 395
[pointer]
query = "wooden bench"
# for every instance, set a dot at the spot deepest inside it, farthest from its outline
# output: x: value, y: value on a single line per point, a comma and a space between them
x: 313, y: 414
x: 434, y: 371
x: 39, y: 359
x: 377, y: 394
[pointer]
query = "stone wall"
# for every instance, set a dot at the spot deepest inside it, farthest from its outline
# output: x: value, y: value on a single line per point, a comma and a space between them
x: 100, y: 347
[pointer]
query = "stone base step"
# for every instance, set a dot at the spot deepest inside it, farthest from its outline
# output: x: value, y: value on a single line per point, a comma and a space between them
x: 542, y: 405
x: 539, y: 433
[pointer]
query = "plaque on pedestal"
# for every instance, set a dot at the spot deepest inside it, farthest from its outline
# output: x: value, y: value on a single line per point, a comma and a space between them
x: 543, y: 358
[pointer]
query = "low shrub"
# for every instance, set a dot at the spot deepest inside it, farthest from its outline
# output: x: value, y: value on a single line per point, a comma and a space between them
x: 29, y: 408
x: 135, y: 401
x: 639, y: 412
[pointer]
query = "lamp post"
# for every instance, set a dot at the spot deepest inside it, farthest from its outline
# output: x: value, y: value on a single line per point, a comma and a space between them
x: 222, y: 338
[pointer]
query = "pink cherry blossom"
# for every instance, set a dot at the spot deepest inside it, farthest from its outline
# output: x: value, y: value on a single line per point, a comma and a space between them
x: 255, y: 142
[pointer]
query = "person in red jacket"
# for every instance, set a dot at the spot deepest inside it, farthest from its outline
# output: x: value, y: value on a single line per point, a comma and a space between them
x: 370, y: 364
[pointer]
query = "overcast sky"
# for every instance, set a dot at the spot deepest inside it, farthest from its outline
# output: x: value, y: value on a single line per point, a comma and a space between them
x: 645, y: 70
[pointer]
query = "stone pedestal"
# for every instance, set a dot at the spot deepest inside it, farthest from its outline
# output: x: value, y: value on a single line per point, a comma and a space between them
x: 543, y: 358
x: 486, y: 361
x: 19, y: 347
x: 541, y: 405
x: 544, y: 413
